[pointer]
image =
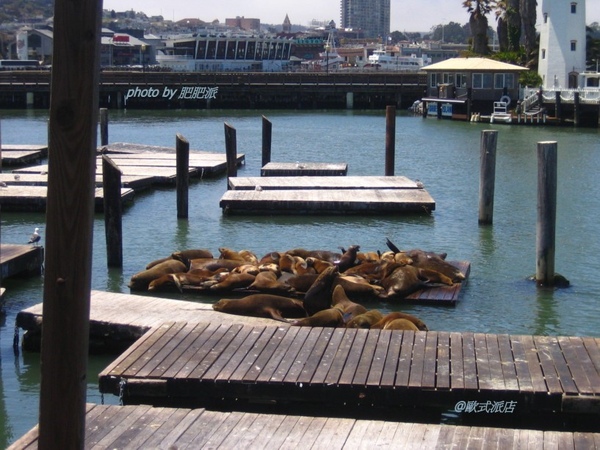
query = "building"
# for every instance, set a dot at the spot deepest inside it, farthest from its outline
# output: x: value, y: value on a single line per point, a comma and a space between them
x: 561, y: 59
x: 371, y: 16
x: 243, y: 23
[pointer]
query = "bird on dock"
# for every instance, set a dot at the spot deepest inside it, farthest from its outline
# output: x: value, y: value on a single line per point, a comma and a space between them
x: 35, y: 237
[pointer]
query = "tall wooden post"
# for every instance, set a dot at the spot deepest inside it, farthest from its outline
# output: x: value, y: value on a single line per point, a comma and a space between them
x: 230, y: 151
x: 267, y: 127
x: 69, y: 223
x: 487, y: 175
x: 390, y: 140
x: 182, y: 148
x: 103, y: 126
x: 113, y: 214
x: 576, y: 109
x: 546, y: 217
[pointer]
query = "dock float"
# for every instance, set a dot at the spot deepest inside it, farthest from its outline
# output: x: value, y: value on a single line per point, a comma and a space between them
x: 19, y: 155
x: 180, y: 363
x: 299, y: 169
x: 326, y: 195
x: 21, y: 260
x: 138, y: 427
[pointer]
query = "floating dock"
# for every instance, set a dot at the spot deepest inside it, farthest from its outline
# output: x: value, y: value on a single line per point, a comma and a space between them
x: 142, y: 167
x: 17, y: 260
x: 20, y: 155
x: 326, y: 195
x: 298, y: 169
x: 178, y: 363
x: 137, y: 427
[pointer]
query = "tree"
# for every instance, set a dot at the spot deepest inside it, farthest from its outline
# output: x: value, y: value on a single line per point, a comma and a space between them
x: 592, y: 49
x: 398, y: 36
x: 451, y: 32
x: 479, y: 24
x: 528, y: 19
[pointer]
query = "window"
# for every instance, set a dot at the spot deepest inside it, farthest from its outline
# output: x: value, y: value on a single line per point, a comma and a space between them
x: 573, y: 8
x: 447, y: 77
x: 573, y: 46
x: 543, y: 53
x: 545, y: 17
x: 482, y: 80
x: 461, y: 80
x: 504, y: 80
x: 433, y: 80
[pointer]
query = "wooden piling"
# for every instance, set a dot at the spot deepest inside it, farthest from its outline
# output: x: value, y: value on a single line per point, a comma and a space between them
x: 546, y: 217
x: 113, y: 214
x: 487, y: 175
x: 182, y: 149
x: 390, y: 139
x: 576, y: 109
x: 69, y: 223
x: 267, y: 127
x: 230, y: 150
x: 103, y: 126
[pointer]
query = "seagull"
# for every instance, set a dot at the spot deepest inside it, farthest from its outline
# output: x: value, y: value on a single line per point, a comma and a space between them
x: 35, y: 237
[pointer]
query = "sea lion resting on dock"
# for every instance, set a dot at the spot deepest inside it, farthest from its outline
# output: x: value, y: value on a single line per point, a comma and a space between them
x: 365, y: 320
x: 262, y: 305
x: 383, y: 323
x: 330, y: 317
x: 141, y: 280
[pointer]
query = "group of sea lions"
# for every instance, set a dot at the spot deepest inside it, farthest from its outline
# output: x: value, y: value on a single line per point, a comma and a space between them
x: 316, y: 288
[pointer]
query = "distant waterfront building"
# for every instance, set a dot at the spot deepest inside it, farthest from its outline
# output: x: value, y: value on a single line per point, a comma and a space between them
x: 244, y: 24
x: 287, y: 25
x: 562, y: 44
x: 372, y: 16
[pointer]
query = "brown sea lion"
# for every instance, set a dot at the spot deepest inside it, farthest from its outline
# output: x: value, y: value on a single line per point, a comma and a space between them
x: 400, y: 324
x: 405, y: 280
x: 318, y: 264
x: 400, y: 315
x: 214, y: 264
x: 302, y: 267
x: 262, y: 305
x: 141, y: 280
x: 302, y: 283
x: 330, y: 317
x: 233, y: 281
x: 227, y: 253
x: 340, y: 300
x: 267, y: 282
x: 318, y: 296
x: 348, y: 259
x: 365, y: 320
x: 324, y: 255
x: 436, y: 262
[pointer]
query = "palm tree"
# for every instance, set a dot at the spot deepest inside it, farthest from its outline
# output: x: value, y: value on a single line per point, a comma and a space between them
x: 479, y: 24
x: 528, y: 18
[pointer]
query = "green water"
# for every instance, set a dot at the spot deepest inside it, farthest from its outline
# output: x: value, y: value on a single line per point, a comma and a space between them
x: 444, y: 155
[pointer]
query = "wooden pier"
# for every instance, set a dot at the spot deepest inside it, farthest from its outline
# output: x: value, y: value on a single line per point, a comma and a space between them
x: 142, y: 167
x: 299, y: 169
x: 20, y: 155
x: 16, y: 260
x: 185, y: 362
x: 326, y: 195
x: 136, y: 427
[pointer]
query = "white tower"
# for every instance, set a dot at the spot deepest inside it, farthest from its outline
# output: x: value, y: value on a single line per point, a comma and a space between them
x: 562, y: 43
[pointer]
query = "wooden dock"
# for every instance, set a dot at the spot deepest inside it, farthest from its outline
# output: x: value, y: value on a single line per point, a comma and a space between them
x: 142, y: 167
x: 16, y: 260
x: 326, y: 195
x: 185, y: 362
x: 300, y: 169
x: 136, y: 427
x: 20, y: 155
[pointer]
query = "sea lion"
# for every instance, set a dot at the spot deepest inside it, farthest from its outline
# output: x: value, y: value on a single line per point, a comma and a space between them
x: 365, y: 320
x: 405, y: 280
x: 318, y: 296
x: 141, y: 280
x: 400, y: 324
x: 233, y: 281
x: 318, y: 264
x: 262, y: 305
x: 436, y: 262
x: 227, y: 253
x: 358, y: 288
x: 330, y: 317
x: 302, y: 267
x: 324, y: 255
x: 267, y: 282
x: 400, y: 315
x: 348, y: 259
x: 214, y: 264
x: 302, y: 283
x: 183, y: 255
x: 349, y: 308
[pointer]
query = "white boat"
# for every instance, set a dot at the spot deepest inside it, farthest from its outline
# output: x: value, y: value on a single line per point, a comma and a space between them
x: 501, y: 113
x: 382, y: 60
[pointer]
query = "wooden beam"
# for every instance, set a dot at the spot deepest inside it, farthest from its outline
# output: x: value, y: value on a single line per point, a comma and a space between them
x: 69, y: 217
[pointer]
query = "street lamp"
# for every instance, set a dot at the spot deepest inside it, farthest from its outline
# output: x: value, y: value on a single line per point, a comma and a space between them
x: 327, y: 58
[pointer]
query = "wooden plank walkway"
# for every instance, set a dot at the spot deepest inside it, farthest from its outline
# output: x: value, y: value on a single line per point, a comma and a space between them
x: 326, y: 195
x: 178, y: 362
x: 142, y: 167
x: 19, y: 155
x: 300, y: 169
x: 20, y: 259
x: 137, y: 427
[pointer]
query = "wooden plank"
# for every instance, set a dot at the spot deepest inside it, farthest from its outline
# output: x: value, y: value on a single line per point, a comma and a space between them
x: 289, y: 356
x: 355, y: 357
x: 267, y: 354
x: 367, y: 358
x: 483, y: 370
x: 585, y: 376
x: 306, y: 352
x: 430, y: 361
x: 509, y: 372
x: 284, y: 344
x: 236, y: 351
x: 469, y: 361
x: 339, y: 361
x: 379, y: 359
x: 443, y: 360
x: 322, y: 182
x: 533, y: 363
x: 416, y: 367
x: 521, y: 366
x: 552, y: 347
x: 138, y: 430
x: 497, y: 380
x: 395, y: 347
x: 314, y: 358
x: 119, y: 426
x: 220, y: 434
x: 305, y: 432
x: 457, y: 374
x: 550, y: 371
x: 277, y: 169
x: 253, y: 354
x: 328, y: 357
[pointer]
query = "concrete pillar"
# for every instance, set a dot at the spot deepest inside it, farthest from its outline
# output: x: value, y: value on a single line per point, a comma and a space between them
x: 349, y: 100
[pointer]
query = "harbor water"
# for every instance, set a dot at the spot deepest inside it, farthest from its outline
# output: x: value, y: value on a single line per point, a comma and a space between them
x: 444, y: 155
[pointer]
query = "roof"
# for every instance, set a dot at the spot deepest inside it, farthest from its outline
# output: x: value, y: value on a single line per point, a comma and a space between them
x: 470, y: 64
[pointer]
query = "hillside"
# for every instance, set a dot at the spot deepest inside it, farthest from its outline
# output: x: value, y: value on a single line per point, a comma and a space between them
x: 23, y: 10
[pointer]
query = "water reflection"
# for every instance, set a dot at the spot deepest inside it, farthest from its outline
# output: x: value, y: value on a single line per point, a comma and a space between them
x: 547, y: 319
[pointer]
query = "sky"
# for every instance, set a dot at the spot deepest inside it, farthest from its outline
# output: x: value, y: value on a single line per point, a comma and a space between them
x: 406, y: 15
